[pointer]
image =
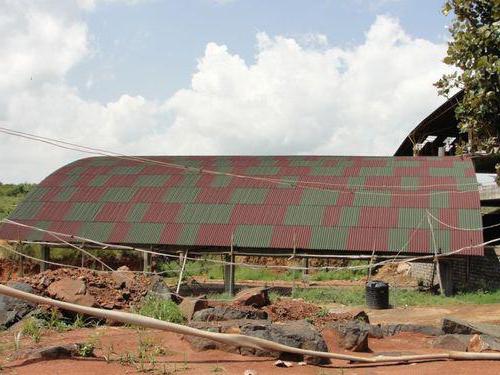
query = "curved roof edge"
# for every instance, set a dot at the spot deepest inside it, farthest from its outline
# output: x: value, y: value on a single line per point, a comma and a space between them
x: 441, y: 122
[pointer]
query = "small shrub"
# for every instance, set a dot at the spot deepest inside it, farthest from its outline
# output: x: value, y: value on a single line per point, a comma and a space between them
x: 79, y: 322
x: 32, y: 328
x: 322, y: 313
x: 161, y: 309
x: 56, y: 322
x: 87, y: 348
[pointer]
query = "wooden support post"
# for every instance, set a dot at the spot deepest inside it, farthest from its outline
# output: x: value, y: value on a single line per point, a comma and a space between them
x: 181, y: 274
x: 45, y: 257
x: 305, y: 264
x: 436, y: 257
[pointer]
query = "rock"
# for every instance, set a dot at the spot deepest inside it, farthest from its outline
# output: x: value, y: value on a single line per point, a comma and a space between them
x: 458, y: 326
x: 375, y: 331
x: 12, y: 309
x: 285, y: 364
x: 250, y: 372
x: 297, y: 334
x: 353, y: 334
x: 394, y: 329
x: 455, y: 342
x: 50, y: 352
x: 191, y: 305
x: 481, y: 343
x: 361, y: 316
x: 122, y: 277
x: 256, y: 297
x: 227, y: 313
x: 403, y: 268
x: 72, y: 291
x: 476, y: 344
x: 158, y: 289
x: 355, y: 337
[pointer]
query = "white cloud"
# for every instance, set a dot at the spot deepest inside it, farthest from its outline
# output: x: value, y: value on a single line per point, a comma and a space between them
x: 38, y: 43
x: 297, y: 97
x: 91, y: 4
x: 359, y: 100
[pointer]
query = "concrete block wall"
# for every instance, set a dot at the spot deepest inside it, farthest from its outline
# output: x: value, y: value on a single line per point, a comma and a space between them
x: 463, y: 273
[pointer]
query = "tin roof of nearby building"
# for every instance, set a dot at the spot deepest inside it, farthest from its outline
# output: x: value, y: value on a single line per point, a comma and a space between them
x: 317, y: 203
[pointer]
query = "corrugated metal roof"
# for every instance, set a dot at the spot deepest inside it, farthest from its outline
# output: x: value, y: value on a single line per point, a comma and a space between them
x: 323, y: 203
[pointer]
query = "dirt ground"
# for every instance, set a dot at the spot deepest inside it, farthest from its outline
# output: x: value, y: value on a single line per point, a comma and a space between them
x: 487, y: 313
x: 179, y: 358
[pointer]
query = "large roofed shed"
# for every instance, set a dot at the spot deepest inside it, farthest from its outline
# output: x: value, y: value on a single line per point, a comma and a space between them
x: 267, y: 204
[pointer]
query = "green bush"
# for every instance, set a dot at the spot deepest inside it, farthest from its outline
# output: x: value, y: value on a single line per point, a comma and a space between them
x: 32, y: 327
x: 161, y: 309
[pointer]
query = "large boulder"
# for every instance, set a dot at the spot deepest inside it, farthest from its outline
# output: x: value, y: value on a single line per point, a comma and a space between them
x: 123, y: 277
x: 219, y: 313
x: 297, y: 334
x: 256, y: 297
x: 456, y: 342
x: 12, y: 309
x: 158, y: 289
x: 72, y: 291
x: 353, y: 335
x: 458, y: 326
x: 190, y: 305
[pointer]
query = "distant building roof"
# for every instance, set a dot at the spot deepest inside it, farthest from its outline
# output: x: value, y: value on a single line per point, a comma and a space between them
x: 331, y: 204
x: 441, y: 123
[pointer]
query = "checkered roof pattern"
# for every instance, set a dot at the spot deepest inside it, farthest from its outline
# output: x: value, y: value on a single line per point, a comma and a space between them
x: 321, y: 203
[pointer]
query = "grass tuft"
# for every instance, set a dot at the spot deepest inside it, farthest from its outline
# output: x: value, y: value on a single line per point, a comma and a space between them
x: 161, y: 309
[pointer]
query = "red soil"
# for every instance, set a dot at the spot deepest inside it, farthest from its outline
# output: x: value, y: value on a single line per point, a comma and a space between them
x: 181, y: 359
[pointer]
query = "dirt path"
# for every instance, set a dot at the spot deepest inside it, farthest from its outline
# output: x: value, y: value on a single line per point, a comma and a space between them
x: 488, y: 313
x: 179, y: 358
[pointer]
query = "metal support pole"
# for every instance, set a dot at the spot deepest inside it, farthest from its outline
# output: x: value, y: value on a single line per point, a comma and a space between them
x: 229, y: 274
x: 305, y: 264
x: 45, y: 257
x: 146, y: 262
x: 19, y: 248
x: 229, y: 270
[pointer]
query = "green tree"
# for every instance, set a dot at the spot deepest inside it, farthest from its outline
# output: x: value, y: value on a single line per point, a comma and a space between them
x: 474, y: 49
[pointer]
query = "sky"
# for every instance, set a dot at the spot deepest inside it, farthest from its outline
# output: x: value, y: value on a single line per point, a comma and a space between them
x: 177, y: 77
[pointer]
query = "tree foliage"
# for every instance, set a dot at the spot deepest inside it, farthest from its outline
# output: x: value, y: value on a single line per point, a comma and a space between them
x: 475, y: 50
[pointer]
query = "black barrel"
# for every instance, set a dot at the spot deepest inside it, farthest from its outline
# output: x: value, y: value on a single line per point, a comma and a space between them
x: 377, y: 295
